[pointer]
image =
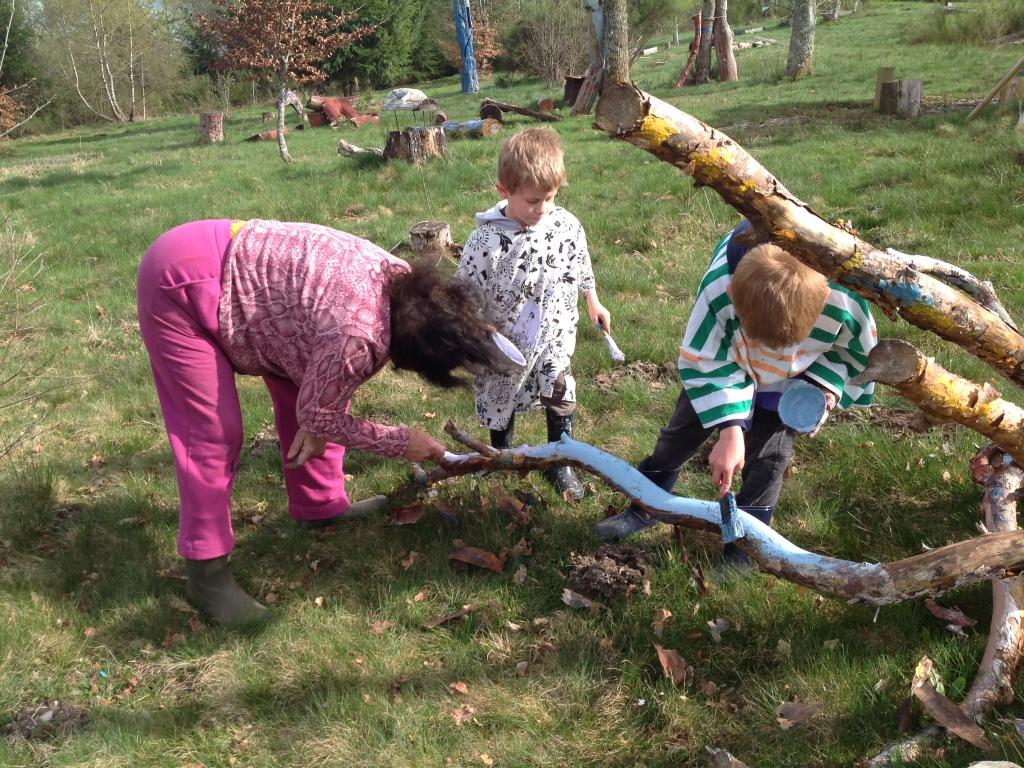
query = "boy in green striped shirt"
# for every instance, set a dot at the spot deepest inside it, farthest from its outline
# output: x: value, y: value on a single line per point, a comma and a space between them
x: 761, y: 319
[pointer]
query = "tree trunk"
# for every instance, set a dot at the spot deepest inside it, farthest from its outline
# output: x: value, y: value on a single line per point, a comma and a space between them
x: 504, y: 106
x: 211, y: 127
x: 594, y: 76
x: 415, y: 145
x: 616, y: 44
x: 723, y: 43
x: 694, y: 48
x: 833, y: 13
x: 714, y: 160
x: 431, y: 239
x: 801, y: 41
x: 706, y: 42
x: 282, y: 102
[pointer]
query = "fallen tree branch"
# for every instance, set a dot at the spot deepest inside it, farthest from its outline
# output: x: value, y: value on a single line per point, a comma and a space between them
x: 944, y: 396
x: 929, y: 573
x: 715, y: 160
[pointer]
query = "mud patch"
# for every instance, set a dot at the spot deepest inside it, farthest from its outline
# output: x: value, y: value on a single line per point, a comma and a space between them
x: 611, y: 571
x: 656, y: 376
x: 39, y: 722
x: 899, y: 421
x: 937, y: 105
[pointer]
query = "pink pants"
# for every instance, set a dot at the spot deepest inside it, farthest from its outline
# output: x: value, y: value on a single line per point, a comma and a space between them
x: 178, y: 293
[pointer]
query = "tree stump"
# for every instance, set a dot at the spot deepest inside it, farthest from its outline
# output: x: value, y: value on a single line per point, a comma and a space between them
x: 431, y: 239
x: 573, y: 83
x: 416, y: 145
x: 491, y: 112
x: 211, y: 127
x: 901, y: 98
x: 883, y: 75
x: 268, y: 116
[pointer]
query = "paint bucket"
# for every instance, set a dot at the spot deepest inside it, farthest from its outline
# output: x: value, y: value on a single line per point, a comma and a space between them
x: 803, y: 406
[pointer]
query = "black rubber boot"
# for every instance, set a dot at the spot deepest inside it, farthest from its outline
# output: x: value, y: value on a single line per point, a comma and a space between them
x: 563, y: 478
x: 213, y: 590
x: 734, y: 556
x: 502, y: 438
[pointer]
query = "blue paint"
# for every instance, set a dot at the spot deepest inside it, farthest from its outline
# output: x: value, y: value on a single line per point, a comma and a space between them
x: 732, y: 524
x: 464, y: 36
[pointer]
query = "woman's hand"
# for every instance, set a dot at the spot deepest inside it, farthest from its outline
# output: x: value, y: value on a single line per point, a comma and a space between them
x: 305, y: 447
x: 599, y: 315
x: 727, y: 458
x: 422, y: 447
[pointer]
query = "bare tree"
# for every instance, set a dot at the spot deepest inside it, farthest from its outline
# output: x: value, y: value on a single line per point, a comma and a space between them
x: 707, y: 20
x: 801, y: 41
x: 723, y: 43
x: 12, y: 109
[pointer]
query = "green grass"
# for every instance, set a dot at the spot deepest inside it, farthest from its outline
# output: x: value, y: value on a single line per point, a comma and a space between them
x: 91, y: 582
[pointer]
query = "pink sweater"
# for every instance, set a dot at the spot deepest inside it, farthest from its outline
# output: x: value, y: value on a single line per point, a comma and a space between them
x: 310, y: 304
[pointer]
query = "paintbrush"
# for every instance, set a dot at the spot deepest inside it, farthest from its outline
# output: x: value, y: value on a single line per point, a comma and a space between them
x: 613, y: 348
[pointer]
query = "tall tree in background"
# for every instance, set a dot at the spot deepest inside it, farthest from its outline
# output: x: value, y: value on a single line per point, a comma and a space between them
x: 801, y: 41
x: 702, y: 73
x: 385, y: 57
x: 723, y: 43
x: 15, y: 71
x: 616, y: 43
x: 288, y: 39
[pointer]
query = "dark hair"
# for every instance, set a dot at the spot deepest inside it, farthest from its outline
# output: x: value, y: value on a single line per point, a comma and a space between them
x: 437, y: 325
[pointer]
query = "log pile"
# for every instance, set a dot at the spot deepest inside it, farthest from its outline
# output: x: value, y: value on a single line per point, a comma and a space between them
x: 489, y: 108
x: 335, y: 111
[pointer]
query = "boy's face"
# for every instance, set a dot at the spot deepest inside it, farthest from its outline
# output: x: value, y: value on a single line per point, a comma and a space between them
x: 528, y: 205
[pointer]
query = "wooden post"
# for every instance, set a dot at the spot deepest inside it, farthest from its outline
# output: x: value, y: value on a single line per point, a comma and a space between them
x: 901, y: 98
x: 416, y: 145
x: 464, y: 37
x: 884, y: 75
x: 431, y: 239
x: 211, y: 127
x: 1012, y: 94
x: 571, y: 89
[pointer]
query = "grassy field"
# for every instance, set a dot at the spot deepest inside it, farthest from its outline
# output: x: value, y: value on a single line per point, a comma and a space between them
x: 92, y: 610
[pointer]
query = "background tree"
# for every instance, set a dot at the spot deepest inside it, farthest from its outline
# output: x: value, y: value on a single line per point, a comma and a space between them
x: 286, y: 38
x: 707, y: 21
x: 801, y: 41
x: 16, y: 70
x: 722, y: 33
x: 117, y: 58
x: 550, y: 41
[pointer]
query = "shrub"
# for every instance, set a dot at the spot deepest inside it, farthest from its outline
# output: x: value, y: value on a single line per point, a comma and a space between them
x: 551, y: 41
x: 979, y: 24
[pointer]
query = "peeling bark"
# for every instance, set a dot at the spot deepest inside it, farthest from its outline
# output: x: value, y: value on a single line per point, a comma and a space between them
x: 715, y: 160
x: 944, y: 396
x: 929, y: 573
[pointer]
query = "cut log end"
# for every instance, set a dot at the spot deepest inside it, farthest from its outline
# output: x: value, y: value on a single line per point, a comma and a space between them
x: 893, y: 362
x: 621, y: 109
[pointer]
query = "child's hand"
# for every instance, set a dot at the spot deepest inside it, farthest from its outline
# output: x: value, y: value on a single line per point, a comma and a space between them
x: 599, y: 316
x: 830, y: 403
x: 305, y: 447
x: 727, y: 458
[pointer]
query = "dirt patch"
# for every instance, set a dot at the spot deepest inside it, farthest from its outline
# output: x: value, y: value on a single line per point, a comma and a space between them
x: 899, y: 421
x: 611, y: 571
x: 656, y: 376
x: 54, y: 719
x: 937, y: 105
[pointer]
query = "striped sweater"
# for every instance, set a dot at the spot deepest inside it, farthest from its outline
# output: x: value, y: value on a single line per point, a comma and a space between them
x: 722, y: 371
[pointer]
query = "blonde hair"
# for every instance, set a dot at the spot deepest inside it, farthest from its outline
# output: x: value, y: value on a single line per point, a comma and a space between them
x: 776, y: 296
x: 532, y: 158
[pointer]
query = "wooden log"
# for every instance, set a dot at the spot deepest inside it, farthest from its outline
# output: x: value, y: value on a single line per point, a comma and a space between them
x: 571, y: 90
x: 318, y: 120
x: 901, y: 98
x: 930, y: 573
x: 999, y: 86
x: 491, y: 112
x: 211, y: 127
x: 471, y: 129
x: 944, y: 396
x: 431, y: 239
x: 415, y: 145
x: 883, y: 75
x: 546, y: 117
x: 993, y: 683
x: 347, y: 149
x: 360, y: 120
x: 268, y: 135
x: 715, y: 160
x: 694, y: 47
x: 318, y: 100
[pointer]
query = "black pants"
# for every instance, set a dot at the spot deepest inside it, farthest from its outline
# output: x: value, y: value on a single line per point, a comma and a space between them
x: 769, y: 450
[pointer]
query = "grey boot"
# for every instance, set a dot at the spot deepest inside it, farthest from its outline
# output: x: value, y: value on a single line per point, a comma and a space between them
x: 563, y: 478
x: 502, y: 438
x: 364, y: 508
x: 212, y: 589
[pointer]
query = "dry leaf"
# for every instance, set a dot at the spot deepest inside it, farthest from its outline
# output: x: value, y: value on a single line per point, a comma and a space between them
x: 522, y: 668
x: 513, y: 626
x: 420, y: 596
x: 318, y: 601
x: 463, y: 714
x: 410, y: 561
x: 522, y: 549
x: 91, y: 632
x: 673, y: 665
x: 519, y: 576
x: 783, y: 649
x: 429, y: 415
x: 459, y: 687
x: 478, y: 558
x: 942, y: 710
x: 380, y: 627
x: 791, y: 713
x: 407, y: 515
x: 660, y: 617
x: 709, y: 689
x: 486, y: 759
x: 453, y: 616
x: 519, y: 512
